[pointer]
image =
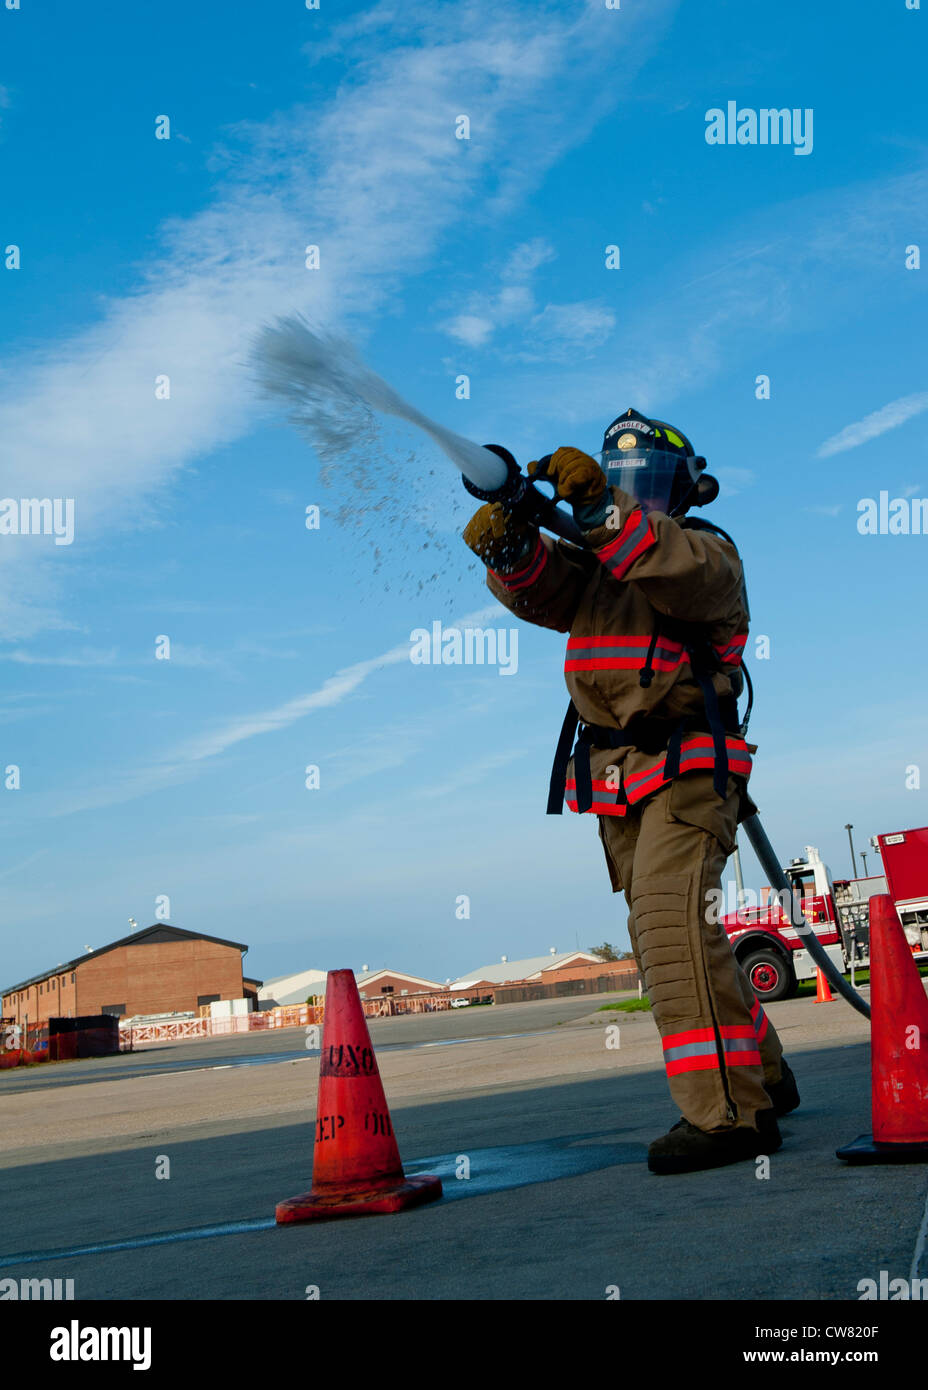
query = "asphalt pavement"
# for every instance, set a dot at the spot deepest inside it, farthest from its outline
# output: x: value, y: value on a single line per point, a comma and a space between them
x: 540, y: 1141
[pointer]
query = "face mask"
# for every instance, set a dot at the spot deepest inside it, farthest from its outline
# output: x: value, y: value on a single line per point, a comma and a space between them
x: 658, y: 481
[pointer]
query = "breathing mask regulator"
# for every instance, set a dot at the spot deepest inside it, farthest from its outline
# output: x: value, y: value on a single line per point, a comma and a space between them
x: 656, y: 465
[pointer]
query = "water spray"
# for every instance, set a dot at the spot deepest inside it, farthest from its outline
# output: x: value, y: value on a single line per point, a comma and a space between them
x: 331, y: 395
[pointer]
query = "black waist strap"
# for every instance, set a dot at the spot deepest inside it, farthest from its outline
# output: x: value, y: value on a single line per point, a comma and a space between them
x: 648, y: 735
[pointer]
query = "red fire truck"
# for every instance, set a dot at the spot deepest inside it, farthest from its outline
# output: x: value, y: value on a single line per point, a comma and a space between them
x: 770, y: 948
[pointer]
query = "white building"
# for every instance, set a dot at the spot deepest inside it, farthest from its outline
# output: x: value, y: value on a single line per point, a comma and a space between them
x: 292, y: 989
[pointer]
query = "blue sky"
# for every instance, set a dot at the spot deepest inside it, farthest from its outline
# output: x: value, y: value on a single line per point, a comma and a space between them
x: 439, y: 257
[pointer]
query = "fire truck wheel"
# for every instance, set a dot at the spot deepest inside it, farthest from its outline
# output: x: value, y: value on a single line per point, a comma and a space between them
x: 770, y: 975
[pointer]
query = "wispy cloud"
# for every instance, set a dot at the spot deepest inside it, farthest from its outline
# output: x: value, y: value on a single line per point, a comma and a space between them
x: 377, y: 176
x: 735, y: 480
x: 553, y: 330
x: 16, y: 868
x: 514, y: 302
x: 469, y: 776
x: 875, y: 424
x: 720, y: 297
x: 331, y: 692
x: 87, y: 657
x: 182, y: 763
x: 566, y: 329
x: 822, y: 509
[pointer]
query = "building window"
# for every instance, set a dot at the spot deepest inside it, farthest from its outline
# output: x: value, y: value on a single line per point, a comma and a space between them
x: 72, y: 977
x: 117, y: 1009
x: 207, y: 999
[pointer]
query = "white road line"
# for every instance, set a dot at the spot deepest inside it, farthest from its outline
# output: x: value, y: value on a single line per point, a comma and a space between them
x: 224, y: 1066
x: 488, y: 1037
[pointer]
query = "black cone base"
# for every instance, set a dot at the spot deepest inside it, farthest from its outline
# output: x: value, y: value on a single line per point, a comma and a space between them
x: 866, y: 1149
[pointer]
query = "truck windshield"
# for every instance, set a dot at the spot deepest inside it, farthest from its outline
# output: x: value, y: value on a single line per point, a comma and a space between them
x: 804, y: 884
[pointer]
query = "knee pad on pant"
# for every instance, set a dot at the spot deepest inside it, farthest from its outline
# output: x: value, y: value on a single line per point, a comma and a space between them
x: 667, y: 941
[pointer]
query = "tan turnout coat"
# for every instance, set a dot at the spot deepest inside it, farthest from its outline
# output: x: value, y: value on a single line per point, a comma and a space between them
x: 638, y: 570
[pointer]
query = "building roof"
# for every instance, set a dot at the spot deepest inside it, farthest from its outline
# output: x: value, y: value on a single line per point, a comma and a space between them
x: 151, y: 936
x: 295, y: 987
x: 369, y: 975
x: 292, y: 975
x: 501, y: 971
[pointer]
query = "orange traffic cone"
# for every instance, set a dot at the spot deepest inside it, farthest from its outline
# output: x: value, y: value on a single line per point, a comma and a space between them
x: 899, y: 1047
x: 823, y: 994
x: 356, y: 1164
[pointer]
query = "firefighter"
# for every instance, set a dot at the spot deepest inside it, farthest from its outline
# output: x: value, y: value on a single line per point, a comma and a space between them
x: 657, y: 617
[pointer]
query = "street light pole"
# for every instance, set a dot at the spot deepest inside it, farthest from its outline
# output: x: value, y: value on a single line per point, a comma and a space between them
x: 739, y: 879
x: 863, y: 855
x: 850, y: 838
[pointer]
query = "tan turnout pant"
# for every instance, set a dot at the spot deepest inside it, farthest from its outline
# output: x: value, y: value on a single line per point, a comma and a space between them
x: 668, y: 853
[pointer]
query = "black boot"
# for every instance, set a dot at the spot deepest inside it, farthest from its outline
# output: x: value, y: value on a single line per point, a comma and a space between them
x: 686, y: 1149
x: 784, y: 1094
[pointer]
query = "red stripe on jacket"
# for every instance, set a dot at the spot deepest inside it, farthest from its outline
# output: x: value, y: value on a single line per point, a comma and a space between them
x: 521, y: 579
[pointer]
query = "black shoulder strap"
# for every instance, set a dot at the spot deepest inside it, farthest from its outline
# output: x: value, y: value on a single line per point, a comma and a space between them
x: 698, y: 523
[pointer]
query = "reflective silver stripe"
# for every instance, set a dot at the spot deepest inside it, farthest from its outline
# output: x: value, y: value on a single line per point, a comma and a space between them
x: 705, y: 752
x: 617, y: 648
x: 697, y: 1049
x: 740, y: 1044
x: 641, y: 530
x: 624, y: 650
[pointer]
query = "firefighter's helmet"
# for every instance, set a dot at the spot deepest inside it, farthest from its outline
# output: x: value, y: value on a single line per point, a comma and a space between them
x: 656, y: 464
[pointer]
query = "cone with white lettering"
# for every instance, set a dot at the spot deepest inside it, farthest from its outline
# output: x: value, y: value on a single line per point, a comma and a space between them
x: 356, y: 1162
x: 899, y: 1047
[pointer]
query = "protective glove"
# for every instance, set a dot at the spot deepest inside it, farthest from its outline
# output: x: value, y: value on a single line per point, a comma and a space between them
x: 499, y: 539
x: 579, y: 480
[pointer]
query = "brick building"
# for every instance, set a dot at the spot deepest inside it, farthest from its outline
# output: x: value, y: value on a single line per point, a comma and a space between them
x: 161, y: 969
x: 534, y: 968
x: 374, y: 983
x: 584, y: 970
